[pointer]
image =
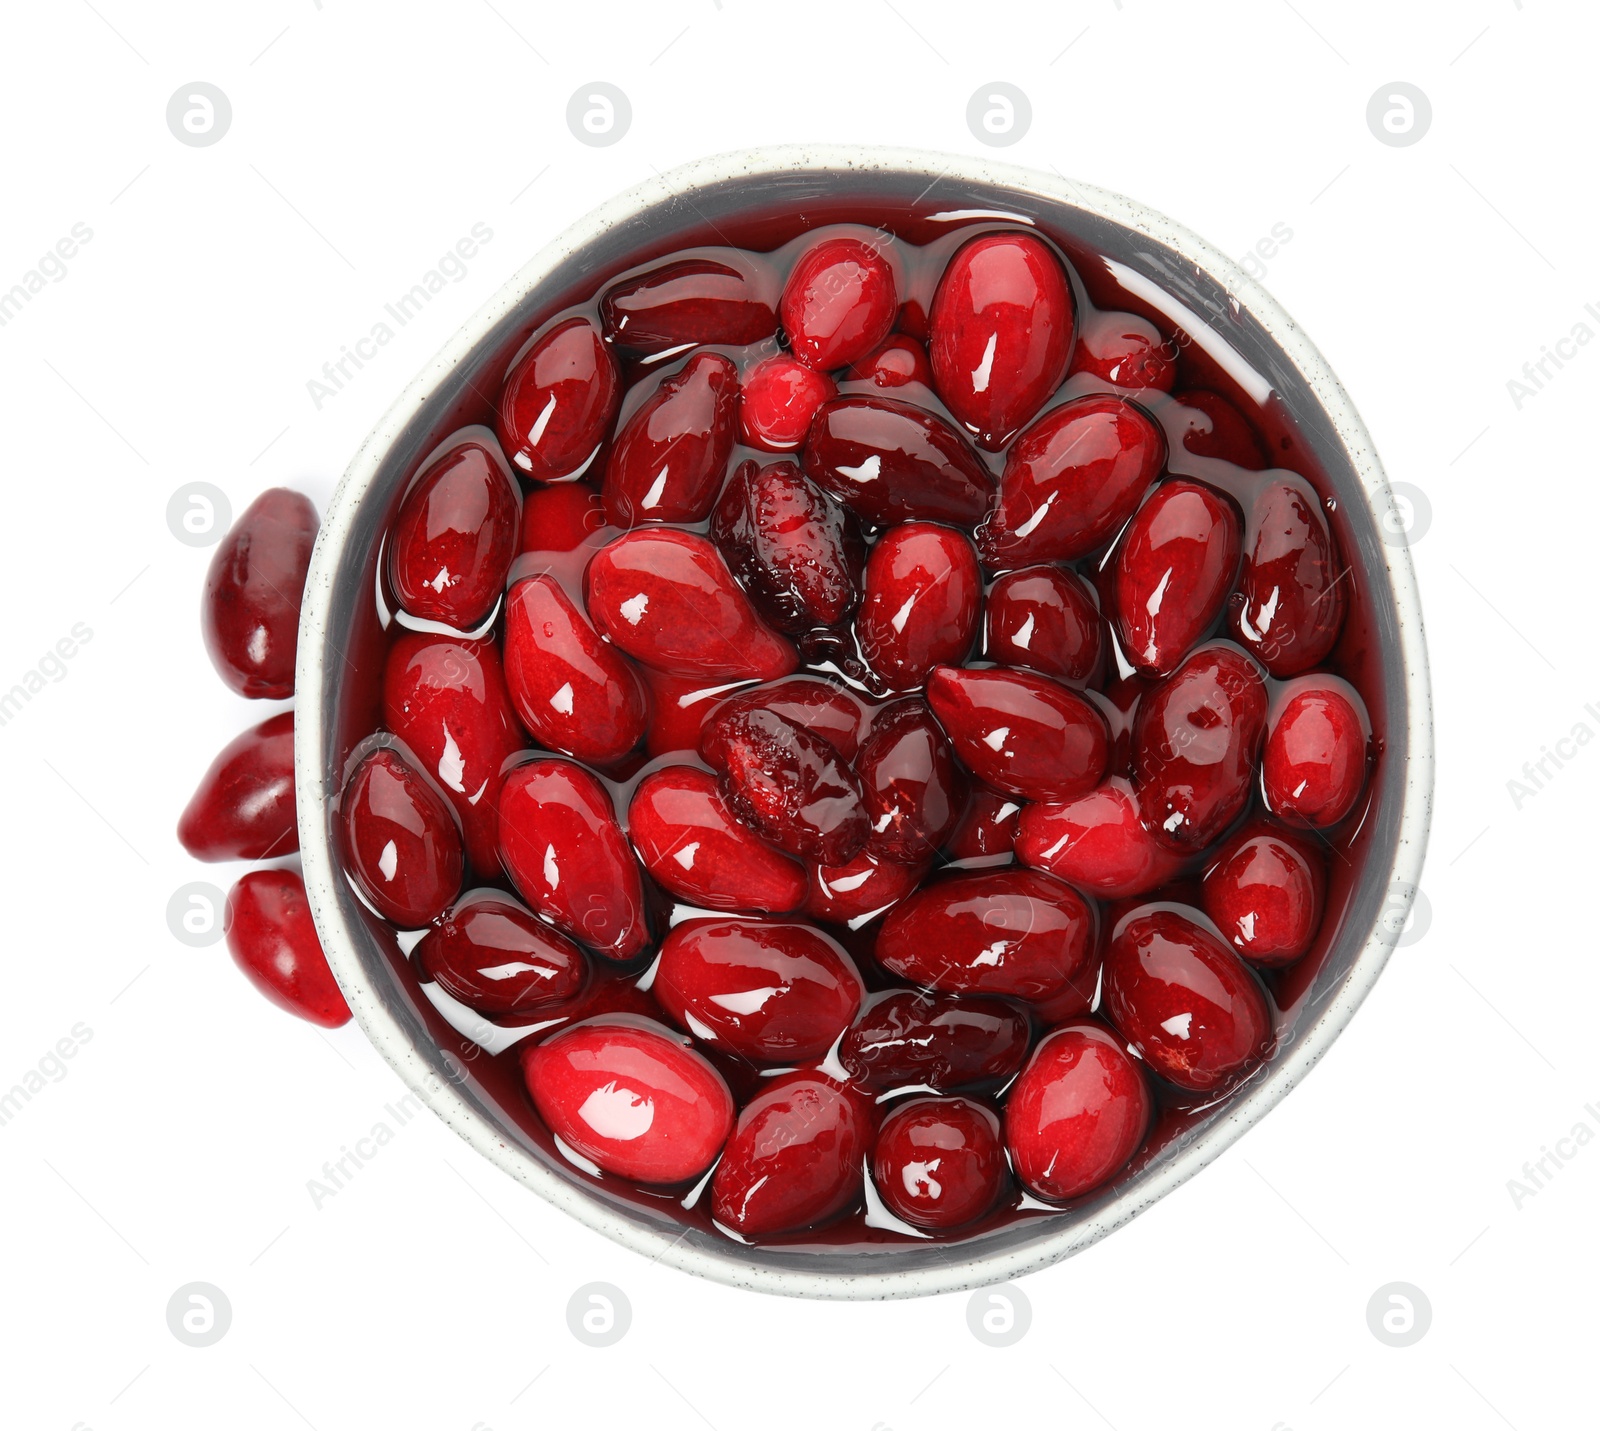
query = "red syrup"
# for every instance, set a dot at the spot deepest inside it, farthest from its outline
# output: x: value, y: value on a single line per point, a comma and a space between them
x: 1237, y: 414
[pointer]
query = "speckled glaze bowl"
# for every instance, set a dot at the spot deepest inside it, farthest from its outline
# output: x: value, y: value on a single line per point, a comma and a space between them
x: 1160, y: 263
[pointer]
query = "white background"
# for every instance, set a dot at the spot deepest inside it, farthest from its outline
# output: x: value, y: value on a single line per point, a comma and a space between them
x: 430, y: 1292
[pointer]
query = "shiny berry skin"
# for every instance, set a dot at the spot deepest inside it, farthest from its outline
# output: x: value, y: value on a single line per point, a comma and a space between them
x: 999, y: 333
x: 1264, y: 891
x: 774, y: 991
x: 778, y: 397
x: 446, y: 699
x: 250, y: 615
x: 696, y: 848
x: 1098, y: 842
x: 889, y: 462
x: 631, y: 1098
x: 561, y: 517
x: 401, y: 842
x: 611, y: 990
x: 906, y: 1039
x: 1289, y: 604
x: 810, y: 702
x: 558, y: 402
x: 795, y: 1158
x: 1197, y: 744
x: 790, y: 785
x: 901, y: 360
x: 987, y: 830
x: 914, y: 790
x: 1211, y: 426
x: 1016, y: 933
x: 573, y: 691
x: 668, y: 599
x: 568, y: 858
x: 1071, y: 481
x: 1174, y: 566
x: 1185, y: 1001
x: 243, y: 808
x: 1045, y: 618
x: 921, y: 596
x: 1124, y: 349
x: 797, y: 553
x: 1315, y: 762
x: 679, y: 708
x: 839, y: 303
x: 271, y: 937
x: 1077, y: 1114
x: 492, y: 955
x: 452, y: 542
x: 938, y: 1162
x: 671, y: 455
x: 721, y: 296
x: 858, y: 891
x: 1019, y: 732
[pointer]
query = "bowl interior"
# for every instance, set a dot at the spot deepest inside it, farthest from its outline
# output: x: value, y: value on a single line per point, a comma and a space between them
x: 1126, y: 257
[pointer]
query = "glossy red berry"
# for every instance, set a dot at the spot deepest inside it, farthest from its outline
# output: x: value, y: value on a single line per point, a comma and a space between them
x: 573, y: 691
x: 492, y: 955
x: 561, y: 517
x: 795, y: 1158
x: 1174, y: 567
x: 906, y: 1039
x: 250, y: 616
x: 839, y: 303
x: 630, y: 1098
x: 1197, y: 744
x: 696, y: 848
x: 938, y: 1162
x: 999, y: 333
x: 452, y: 542
x: 778, y: 397
x: 671, y: 455
x: 1071, y: 481
x: 568, y: 858
x: 858, y: 891
x: 810, y: 702
x: 900, y: 360
x: 889, y: 461
x: 271, y: 937
x: 1045, y: 618
x: 1077, y: 1114
x: 770, y: 990
x: 1264, y: 891
x: 558, y: 402
x: 1211, y: 426
x: 667, y: 598
x: 401, y: 843
x: 1020, y: 732
x: 1099, y: 842
x: 790, y: 785
x: 1315, y: 763
x: 1184, y: 1000
x: 1124, y: 349
x: 446, y: 700
x: 922, y: 592
x: 1289, y: 604
x: 721, y: 295
x: 243, y: 808
x: 1016, y: 933
x: 797, y: 553
x: 987, y: 831
x: 914, y: 790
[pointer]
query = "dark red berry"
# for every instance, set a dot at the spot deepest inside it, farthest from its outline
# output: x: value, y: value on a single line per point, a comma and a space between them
x: 243, y: 808
x: 1264, y: 891
x: 1099, y: 842
x: 920, y: 601
x: 401, y: 842
x: 1124, y: 349
x: 558, y: 402
x: 913, y: 788
x: 778, y: 397
x: 492, y: 955
x: 938, y: 1162
x: 839, y: 303
x: 899, y: 361
x: 1045, y: 618
x: 1315, y: 763
x: 1211, y: 426
x: 272, y: 939
x: 906, y: 1039
x: 1289, y: 604
x: 722, y: 295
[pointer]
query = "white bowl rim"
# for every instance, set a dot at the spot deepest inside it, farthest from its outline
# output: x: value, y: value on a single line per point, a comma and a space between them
x: 954, y: 1271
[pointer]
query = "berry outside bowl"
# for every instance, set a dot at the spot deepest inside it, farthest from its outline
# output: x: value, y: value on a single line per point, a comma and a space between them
x: 1159, y: 264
